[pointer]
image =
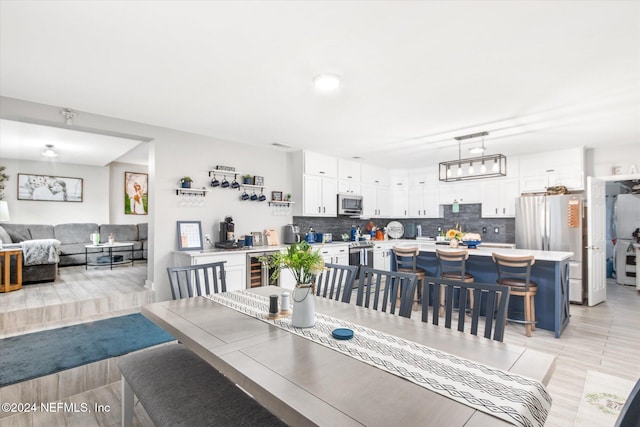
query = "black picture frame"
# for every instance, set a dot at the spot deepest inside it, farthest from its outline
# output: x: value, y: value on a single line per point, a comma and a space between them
x: 49, y: 188
x: 189, y: 235
x: 258, y: 180
x: 276, y: 196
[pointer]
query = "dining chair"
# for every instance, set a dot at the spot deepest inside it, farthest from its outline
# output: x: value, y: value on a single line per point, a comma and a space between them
x: 515, y: 272
x: 406, y: 262
x: 379, y: 290
x: 452, y: 265
x: 630, y: 412
x: 197, y: 280
x: 336, y: 282
x: 494, y: 297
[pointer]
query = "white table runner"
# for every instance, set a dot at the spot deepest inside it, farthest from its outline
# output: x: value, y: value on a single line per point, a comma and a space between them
x: 518, y: 400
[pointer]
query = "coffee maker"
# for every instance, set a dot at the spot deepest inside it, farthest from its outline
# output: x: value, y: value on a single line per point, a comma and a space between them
x: 227, y: 238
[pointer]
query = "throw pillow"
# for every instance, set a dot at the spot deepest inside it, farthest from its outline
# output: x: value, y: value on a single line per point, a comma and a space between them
x: 4, y: 236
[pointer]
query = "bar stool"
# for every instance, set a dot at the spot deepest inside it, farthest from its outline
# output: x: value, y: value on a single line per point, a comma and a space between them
x: 452, y: 265
x: 515, y: 272
x: 406, y: 262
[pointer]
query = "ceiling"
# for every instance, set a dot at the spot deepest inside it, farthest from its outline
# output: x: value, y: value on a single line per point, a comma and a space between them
x: 536, y: 75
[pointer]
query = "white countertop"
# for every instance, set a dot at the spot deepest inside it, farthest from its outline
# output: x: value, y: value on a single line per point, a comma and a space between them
x: 424, y: 245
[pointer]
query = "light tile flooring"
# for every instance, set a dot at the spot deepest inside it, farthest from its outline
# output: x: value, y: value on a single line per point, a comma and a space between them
x: 603, y: 338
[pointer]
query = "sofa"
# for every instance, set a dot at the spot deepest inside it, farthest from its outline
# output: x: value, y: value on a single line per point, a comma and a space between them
x: 73, y: 237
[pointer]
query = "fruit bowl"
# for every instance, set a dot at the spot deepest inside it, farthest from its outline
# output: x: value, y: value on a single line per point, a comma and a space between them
x: 471, y: 244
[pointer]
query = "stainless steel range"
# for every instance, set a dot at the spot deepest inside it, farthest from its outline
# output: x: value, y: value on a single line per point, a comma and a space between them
x: 361, y: 254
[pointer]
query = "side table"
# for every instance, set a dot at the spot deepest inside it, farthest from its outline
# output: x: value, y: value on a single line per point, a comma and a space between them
x: 5, y: 280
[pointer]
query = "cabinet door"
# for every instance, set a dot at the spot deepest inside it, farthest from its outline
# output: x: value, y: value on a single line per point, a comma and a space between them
x: 236, y: 277
x: 369, y: 200
x: 341, y: 256
x: 383, y: 201
x: 431, y: 203
x: 329, y: 197
x: 378, y: 259
x: 348, y: 170
x: 287, y: 280
x: 349, y: 187
x: 510, y: 192
x: 320, y: 164
x: 416, y: 202
x: 491, y: 199
x: 400, y: 203
x: 312, y: 195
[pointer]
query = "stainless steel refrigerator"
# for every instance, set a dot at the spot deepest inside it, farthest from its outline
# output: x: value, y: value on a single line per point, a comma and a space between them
x: 555, y: 223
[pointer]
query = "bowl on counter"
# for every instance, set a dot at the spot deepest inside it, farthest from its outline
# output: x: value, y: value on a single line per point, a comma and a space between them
x: 471, y: 244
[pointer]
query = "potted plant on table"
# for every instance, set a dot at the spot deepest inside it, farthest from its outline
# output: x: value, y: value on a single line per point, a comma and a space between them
x: 454, y: 237
x: 186, y: 182
x: 305, y: 264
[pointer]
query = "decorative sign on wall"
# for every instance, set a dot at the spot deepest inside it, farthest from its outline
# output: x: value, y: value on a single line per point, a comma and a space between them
x: 136, y: 196
x: 49, y: 188
x: 189, y: 235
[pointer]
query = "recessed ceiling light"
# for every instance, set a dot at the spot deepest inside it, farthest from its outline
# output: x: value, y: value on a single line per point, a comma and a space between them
x: 326, y: 82
x: 49, y: 151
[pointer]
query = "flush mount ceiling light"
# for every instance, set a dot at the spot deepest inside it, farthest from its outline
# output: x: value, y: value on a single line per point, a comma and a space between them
x: 498, y: 163
x: 326, y: 82
x: 49, y: 151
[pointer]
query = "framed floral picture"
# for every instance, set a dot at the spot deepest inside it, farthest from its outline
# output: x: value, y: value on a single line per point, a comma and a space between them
x: 136, y: 196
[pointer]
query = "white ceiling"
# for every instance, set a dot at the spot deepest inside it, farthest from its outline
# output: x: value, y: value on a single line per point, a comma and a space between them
x: 537, y: 75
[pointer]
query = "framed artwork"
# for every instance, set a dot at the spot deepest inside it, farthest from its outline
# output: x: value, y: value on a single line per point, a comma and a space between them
x: 49, y: 188
x: 258, y: 180
x: 189, y: 235
x: 136, y: 195
x: 276, y: 196
x: 257, y: 238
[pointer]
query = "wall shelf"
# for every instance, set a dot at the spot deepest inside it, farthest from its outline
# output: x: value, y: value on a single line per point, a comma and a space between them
x: 280, y: 203
x: 191, y: 191
x: 223, y: 172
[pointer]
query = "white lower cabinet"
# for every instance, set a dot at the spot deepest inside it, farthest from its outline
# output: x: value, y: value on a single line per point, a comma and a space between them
x: 382, y: 254
x: 335, y: 255
x: 234, y: 267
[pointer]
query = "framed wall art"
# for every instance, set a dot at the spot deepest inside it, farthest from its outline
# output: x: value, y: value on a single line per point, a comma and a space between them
x: 136, y: 195
x: 189, y: 235
x: 258, y: 180
x: 49, y: 188
x: 276, y: 196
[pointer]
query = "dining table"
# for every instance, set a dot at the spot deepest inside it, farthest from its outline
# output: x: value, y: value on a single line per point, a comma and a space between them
x: 307, y: 382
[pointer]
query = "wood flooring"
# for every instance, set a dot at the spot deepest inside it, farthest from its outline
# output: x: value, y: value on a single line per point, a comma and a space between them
x: 603, y: 338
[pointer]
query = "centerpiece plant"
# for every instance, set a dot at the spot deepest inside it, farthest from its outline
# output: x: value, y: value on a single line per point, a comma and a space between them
x: 304, y: 262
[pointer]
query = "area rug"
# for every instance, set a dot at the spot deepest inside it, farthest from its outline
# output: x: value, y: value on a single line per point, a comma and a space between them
x: 29, y: 356
x: 603, y: 396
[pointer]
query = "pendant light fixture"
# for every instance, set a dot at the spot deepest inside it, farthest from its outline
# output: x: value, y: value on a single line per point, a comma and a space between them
x: 498, y: 163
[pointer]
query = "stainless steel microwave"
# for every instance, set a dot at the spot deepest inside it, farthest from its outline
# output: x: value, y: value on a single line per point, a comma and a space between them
x: 349, y: 204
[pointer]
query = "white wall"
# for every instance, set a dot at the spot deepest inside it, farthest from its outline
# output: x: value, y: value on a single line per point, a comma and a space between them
x: 174, y: 154
x: 95, y: 194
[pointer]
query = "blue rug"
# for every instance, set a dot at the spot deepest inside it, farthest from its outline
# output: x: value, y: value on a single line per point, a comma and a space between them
x: 29, y: 356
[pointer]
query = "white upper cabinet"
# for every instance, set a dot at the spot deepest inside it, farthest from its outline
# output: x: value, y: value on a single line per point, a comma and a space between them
x: 541, y: 170
x: 424, y: 201
x: 399, y: 179
x: 348, y: 170
x: 374, y: 175
x: 320, y: 164
x: 461, y: 191
x: 499, y: 198
x: 320, y: 196
x: 349, y: 177
x: 376, y: 201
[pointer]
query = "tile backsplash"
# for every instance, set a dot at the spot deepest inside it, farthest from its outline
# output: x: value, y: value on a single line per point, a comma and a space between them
x: 469, y: 217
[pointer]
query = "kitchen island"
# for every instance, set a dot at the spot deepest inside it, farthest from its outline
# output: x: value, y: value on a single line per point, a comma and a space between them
x: 550, y: 272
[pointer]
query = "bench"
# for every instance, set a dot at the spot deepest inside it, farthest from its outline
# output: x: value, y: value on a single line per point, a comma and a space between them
x: 178, y: 388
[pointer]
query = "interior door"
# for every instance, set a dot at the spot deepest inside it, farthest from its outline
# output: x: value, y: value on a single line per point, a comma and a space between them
x: 596, y: 236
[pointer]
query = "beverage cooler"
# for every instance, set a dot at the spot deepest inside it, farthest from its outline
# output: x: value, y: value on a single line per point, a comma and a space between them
x: 258, y: 272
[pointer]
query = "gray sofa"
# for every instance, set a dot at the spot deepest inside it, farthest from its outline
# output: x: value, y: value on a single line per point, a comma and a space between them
x: 73, y: 237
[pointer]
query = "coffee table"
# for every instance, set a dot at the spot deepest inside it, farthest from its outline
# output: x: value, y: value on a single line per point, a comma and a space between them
x: 112, y: 248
